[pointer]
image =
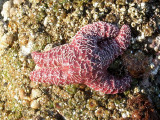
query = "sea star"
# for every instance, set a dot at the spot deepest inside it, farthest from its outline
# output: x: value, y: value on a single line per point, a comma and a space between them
x: 86, y: 59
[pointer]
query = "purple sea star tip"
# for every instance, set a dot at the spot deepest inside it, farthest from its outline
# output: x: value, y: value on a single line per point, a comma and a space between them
x: 86, y: 59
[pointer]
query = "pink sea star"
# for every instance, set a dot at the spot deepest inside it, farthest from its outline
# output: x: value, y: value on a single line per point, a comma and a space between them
x: 86, y: 59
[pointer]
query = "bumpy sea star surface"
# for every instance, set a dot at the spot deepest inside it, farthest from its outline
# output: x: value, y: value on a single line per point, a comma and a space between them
x: 85, y: 59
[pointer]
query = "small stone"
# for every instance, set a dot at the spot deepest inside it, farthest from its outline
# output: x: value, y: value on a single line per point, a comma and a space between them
x: 34, y: 104
x: 18, y: 2
x: 45, y: 21
x: 21, y: 94
x: 6, y: 10
x: 48, y: 47
x: 95, y: 16
x: 34, y: 1
x: 33, y: 84
x: 35, y: 93
x: 13, y: 12
x: 1, y: 29
x: 26, y: 50
x: 6, y: 40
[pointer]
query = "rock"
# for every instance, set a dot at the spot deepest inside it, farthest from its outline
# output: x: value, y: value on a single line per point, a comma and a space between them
x: 5, y: 41
x: 35, y: 93
x: 35, y: 104
x: 18, y: 2
x: 6, y: 10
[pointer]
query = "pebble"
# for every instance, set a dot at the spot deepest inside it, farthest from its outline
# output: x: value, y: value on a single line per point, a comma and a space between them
x: 6, y: 10
x: 33, y: 84
x: 35, y: 93
x: 48, y: 47
x: 26, y: 50
x: 23, y: 96
x: 18, y: 2
x: 5, y: 41
x: 34, y: 104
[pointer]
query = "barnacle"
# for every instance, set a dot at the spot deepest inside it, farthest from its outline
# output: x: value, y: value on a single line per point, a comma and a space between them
x: 147, y: 30
x: 91, y: 104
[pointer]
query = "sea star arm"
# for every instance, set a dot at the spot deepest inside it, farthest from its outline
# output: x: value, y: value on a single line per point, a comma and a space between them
x: 110, y: 84
x: 102, y: 39
x: 123, y: 38
x: 115, y: 47
x: 56, y: 76
x: 61, y: 54
x: 96, y: 32
x: 54, y: 57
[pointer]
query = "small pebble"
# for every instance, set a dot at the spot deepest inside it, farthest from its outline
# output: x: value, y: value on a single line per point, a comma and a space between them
x: 34, y: 104
x: 18, y: 2
x: 35, y: 93
x: 33, y: 84
x: 6, y: 10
